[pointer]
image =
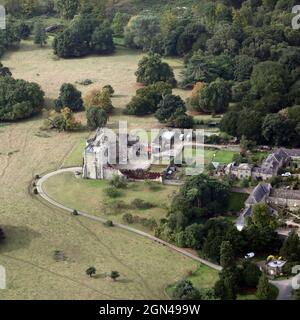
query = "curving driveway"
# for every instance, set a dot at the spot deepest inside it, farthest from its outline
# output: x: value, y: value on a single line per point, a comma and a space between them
x: 285, y: 289
x: 42, y: 193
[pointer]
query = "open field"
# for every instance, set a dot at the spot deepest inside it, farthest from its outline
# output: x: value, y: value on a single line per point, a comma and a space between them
x: 221, y: 156
x: 89, y: 196
x: 34, y: 230
x: 40, y: 65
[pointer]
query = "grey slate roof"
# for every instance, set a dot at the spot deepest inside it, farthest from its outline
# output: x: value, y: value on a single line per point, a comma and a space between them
x: 259, y: 193
x: 273, y: 162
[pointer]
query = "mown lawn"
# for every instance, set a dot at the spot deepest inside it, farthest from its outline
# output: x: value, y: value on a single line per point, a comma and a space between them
x: 203, y: 277
x: 221, y: 156
x: 90, y: 196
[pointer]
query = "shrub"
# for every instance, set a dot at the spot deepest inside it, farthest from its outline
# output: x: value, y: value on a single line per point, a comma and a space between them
x: 128, y: 218
x: 118, y: 182
x: 110, y: 89
x: 109, y: 223
x: 141, y: 204
x: 112, y: 192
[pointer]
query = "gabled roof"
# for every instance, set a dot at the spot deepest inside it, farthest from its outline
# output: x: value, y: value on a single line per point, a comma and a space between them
x: 259, y: 193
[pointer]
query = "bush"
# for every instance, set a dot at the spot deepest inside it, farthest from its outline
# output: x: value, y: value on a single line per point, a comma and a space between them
x: 119, y: 182
x: 128, y: 218
x: 112, y: 192
x: 184, y: 290
x: 110, y: 89
x: 109, y: 223
x: 141, y: 204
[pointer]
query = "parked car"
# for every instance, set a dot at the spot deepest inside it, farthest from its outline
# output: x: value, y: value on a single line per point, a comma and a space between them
x: 250, y: 255
x: 286, y: 174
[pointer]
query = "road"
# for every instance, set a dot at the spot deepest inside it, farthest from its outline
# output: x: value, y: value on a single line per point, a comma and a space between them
x: 285, y: 289
x: 42, y: 193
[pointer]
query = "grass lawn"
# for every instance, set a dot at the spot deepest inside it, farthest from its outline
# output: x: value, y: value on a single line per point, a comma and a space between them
x: 75, y: 157
x: 221, y: 156
x: 237, y: 201
x: 203, y: 277
x: 90, y: 196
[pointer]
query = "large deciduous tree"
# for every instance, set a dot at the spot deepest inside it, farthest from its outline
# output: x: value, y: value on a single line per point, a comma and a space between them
x: 151, y: 69
x: 69, y: 97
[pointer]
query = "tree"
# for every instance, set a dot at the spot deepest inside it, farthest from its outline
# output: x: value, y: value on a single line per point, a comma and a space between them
x: 207, y: 68
x: 200, y: 198
x: 69, y: 97
x: 23, y: 30
x: 83, y: 36
x: 249, y: 125
x: 227, y: 259
x: 19, y: 99
x: 2, y: 235
x: 147, y: 99
x: 29, y: 7
x: 261, y: 217
x: 229, y: 123
x: 99, y: 98
x: 39, y: 32
x: 290, y: 249
x: 226, y: 287
x: 263, y: 289
x: 102, y: 40
x: 243, y: 67
x: 182, y: 121
x: 114, y: 275
x: 251, y: 274
x: 268, y: 77
x: 91, y: 271
x: 67, y: 8
x: 151, y: 69
x: 278, y: 130
x: 169, y: 105
x: 4, y: 71
x: 214, y: 97
x: 110, y: 89
x: 142, y: 32
x: 62, y: 121
x: 96, y: 118
x: 119, y: 22
x: 184, y: 290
